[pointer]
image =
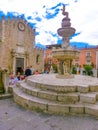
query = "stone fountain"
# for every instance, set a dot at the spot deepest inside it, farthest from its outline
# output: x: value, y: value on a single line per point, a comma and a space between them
x: 66, y: 54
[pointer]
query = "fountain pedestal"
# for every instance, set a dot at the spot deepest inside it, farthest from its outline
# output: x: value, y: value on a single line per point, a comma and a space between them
x: 65, y: 58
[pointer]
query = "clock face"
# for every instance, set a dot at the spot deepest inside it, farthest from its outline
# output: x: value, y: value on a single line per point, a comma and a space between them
x: 21, y: 26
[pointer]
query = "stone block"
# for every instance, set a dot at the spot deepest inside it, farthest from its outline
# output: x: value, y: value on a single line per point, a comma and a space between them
x: 47, y: 95
x: 38, y: 105
x: 58, y: 108
x: 94, y: 88
x: 31, y: 82
x: 88, y: 98
x: 68, y: 98
x: 34, y: 93
x: 29, y: 91
x: 21, y: 100
x: 38, y: 85
x: 25, y: 90
x: 76, y: 109
x: 83, y: 88
x: 43, y: 86
x: 92, y: 110
x: 10, y: 89
x: 96, y: 96
x: 65, y: 89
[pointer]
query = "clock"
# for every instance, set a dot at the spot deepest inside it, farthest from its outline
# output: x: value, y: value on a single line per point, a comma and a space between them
x: 21, y: 26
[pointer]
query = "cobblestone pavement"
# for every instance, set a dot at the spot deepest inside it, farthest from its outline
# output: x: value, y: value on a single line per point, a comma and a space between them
x: 14, y: 117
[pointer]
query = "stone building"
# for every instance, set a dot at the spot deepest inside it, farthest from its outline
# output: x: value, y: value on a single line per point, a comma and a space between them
x: 89, y: 56
x: 17, y: 40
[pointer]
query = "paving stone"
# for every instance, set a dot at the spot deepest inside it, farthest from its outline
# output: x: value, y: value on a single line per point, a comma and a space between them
x: 15, y: 117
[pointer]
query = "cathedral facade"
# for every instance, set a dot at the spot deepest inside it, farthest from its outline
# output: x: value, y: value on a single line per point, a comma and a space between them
x: 17, y: 51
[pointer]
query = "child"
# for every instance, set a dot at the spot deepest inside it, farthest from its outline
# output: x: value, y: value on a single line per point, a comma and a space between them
x: 11, y: 82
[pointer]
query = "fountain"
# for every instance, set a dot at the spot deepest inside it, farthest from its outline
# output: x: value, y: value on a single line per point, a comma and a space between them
x: 66, y: 53
x: 52, y: 93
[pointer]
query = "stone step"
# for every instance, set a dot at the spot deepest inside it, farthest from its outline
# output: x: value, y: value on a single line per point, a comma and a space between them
x: 5, y: 96
x: 67, y: 98
x: 50, y: 95
x: 35, y: 103
x: 52, y: 87
x: 82, y: 88
x: 92, y: 110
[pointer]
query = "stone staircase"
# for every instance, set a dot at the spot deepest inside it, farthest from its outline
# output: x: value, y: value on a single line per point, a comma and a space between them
x: 57, y: 99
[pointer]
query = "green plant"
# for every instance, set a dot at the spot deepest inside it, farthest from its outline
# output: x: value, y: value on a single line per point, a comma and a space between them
x: 55, y: 68
x: 74, y: 70
x: 88, y: 69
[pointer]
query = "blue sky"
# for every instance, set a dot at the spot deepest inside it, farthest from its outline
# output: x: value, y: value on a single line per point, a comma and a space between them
x: 46, y: 16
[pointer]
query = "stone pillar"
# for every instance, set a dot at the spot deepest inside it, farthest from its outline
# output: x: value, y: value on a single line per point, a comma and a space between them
x: 3, y: 87
x: 65, y: 43
x: 5, y: 81
x: 60, y: 67
x: 14, y: 64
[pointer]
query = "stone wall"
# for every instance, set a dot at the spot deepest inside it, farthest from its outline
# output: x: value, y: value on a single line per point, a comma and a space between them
x: 17, y: 40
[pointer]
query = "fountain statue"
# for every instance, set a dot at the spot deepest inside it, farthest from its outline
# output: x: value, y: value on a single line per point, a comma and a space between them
x: 66, y: 53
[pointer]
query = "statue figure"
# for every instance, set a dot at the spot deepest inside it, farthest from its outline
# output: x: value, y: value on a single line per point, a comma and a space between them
x: 63, y: 11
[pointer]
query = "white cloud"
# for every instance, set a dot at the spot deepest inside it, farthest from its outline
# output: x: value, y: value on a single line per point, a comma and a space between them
x: 83, y: 15
x: 84, y: 19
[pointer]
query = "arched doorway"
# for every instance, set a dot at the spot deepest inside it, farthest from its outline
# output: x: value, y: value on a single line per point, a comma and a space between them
x: 19, y: 65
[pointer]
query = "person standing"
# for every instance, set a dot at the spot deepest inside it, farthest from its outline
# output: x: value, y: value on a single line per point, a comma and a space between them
x: 32, y: 70
x: 28, y: 72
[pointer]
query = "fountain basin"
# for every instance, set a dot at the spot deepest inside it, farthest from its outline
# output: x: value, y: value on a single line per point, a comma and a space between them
x: 66, y: 32
x: 63, y: 54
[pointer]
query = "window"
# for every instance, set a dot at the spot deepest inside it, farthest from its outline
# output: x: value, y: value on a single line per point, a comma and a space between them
x: 88, y: 57
x: 37, y: 58
x: 88, y: 54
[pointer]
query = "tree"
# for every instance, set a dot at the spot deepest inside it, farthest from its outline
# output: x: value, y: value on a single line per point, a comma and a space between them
x: 88, y: 69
